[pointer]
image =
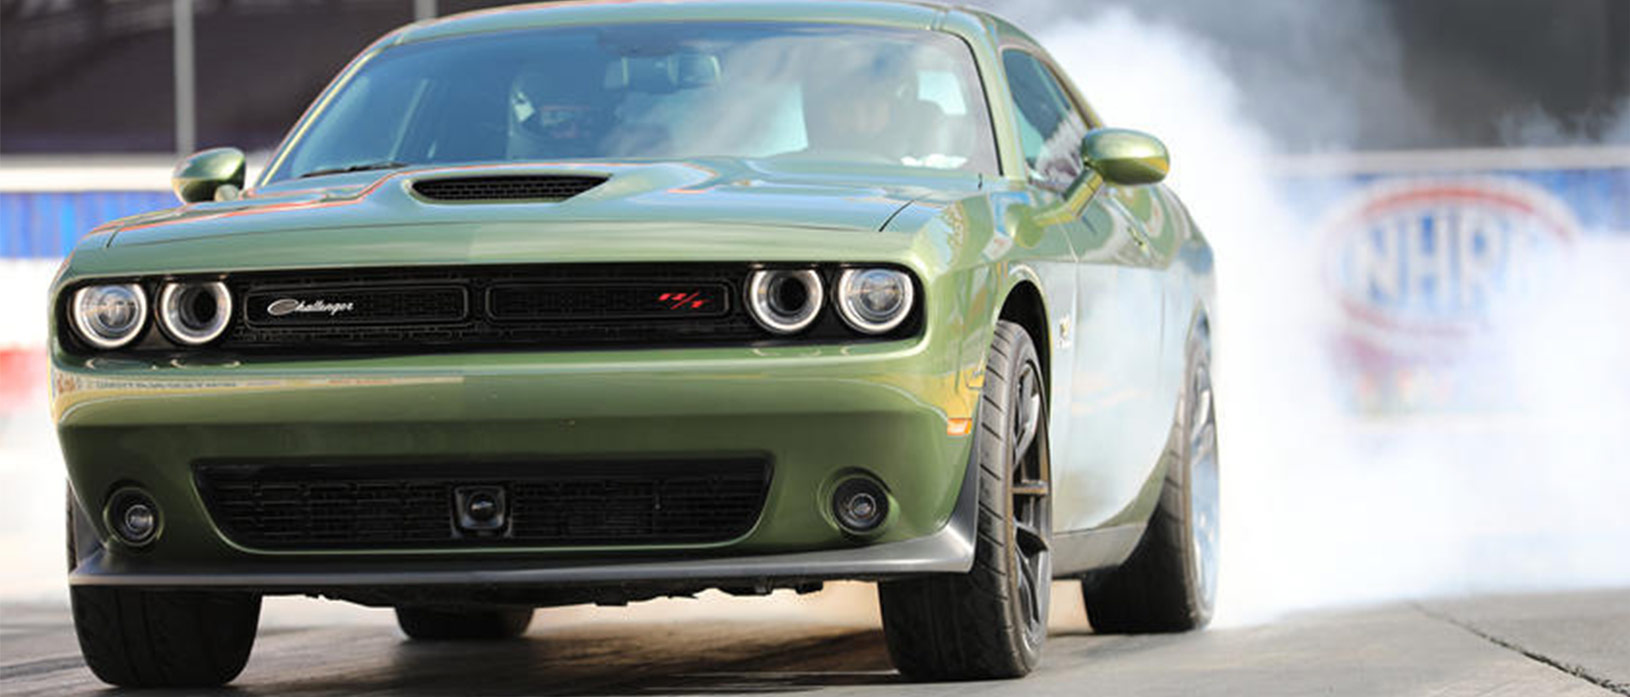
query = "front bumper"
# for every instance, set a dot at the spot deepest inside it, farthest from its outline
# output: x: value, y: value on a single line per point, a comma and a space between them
x: 950, y: 550
x: 819, y: 413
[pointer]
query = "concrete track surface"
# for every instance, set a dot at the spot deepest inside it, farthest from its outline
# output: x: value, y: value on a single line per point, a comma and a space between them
x: 1558, y: 644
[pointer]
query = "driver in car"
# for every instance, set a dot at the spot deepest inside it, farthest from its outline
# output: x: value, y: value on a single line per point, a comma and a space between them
x: 555, y: 115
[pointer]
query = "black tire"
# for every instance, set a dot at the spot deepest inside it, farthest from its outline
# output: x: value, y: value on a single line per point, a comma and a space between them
x: 1169, y: 583
x: 141, y: 638
x: 990, y: 622
x: 448, y: 624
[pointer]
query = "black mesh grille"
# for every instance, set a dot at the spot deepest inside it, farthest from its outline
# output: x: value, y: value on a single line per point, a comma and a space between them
x: 287, y: 506
x: 559, y: 301
x: 698, y: 509
x: 529, y: 187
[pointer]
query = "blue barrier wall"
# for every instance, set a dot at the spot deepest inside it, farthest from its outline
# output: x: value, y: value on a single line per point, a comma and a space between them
x: 46, y: 225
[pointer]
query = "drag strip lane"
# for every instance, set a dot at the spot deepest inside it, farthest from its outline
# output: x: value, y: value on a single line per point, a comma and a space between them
x: 736, y: 646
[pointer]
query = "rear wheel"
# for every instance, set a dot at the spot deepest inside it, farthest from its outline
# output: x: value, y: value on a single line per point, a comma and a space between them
x: 141, y: 638
x: 443, y: 624
x: 1169, y: 584
x: 991, y: 621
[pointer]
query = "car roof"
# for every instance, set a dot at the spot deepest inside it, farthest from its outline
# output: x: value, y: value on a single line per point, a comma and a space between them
x: 897, y: 13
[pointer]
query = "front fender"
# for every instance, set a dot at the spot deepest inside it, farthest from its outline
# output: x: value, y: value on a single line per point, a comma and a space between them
x: 984, y: 252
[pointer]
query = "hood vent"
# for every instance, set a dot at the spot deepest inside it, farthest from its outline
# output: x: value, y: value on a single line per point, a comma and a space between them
x: 513, y: 187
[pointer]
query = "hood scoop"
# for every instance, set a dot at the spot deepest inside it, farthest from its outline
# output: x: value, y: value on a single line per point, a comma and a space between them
x: 507, y: 187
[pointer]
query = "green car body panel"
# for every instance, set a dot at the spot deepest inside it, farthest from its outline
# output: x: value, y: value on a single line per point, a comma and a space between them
x: 1109, y: 280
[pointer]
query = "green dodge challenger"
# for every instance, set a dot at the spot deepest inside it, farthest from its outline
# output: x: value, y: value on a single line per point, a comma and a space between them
x: 597, y: 303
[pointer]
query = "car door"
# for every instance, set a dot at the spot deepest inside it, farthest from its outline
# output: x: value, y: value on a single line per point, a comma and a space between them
x: 1108, y: 426
x: 1160, y: 222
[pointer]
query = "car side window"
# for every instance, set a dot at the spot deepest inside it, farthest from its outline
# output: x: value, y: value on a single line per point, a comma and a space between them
x: 1050, y: 127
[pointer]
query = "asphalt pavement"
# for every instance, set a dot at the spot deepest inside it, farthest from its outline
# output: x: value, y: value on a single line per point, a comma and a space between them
x: 1553, y: 644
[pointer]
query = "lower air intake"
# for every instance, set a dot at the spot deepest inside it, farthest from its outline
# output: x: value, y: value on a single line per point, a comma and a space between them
x: 549, y: 504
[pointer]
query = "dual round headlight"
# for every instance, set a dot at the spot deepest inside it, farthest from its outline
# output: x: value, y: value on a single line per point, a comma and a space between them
x: 194, y: 314
x: 870, y: 300
x: 784, y: 301
x: 874, y: 301
x: 190, y: 313
x: 108, y: 317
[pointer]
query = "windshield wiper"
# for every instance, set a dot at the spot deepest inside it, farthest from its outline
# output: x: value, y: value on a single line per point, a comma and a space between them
x: 361, y: 167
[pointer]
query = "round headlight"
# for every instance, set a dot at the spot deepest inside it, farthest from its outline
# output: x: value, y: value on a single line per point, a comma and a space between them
x: 784, y: 301
x: 108, y: 317
x: 874, y: 301
x: 194, y: 313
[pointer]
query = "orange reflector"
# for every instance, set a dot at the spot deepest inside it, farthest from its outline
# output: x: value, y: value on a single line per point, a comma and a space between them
x: 958, y: 427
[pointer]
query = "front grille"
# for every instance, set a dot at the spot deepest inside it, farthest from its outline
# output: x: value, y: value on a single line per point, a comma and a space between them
x: 542, y: 307
x: 564, y: 301
x: 522, y: 187
x: 362, y: 506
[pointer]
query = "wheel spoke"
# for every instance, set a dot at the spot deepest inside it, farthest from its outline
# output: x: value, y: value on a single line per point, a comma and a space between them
x: 1200, y: 417
x: 1027, y: 415
x: 1027, y: 593
x: 1031, y: 488
x: 1031, y: 541
x: 1203, y: 445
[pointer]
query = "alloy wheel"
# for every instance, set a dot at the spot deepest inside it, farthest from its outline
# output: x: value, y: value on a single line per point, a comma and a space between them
x: 1031, y: 505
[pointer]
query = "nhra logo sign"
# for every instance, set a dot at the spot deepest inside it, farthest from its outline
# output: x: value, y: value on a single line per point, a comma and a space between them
x: 1417, y: 258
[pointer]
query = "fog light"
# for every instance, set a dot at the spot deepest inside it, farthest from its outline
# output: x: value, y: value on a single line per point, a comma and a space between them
x: 139, y: 522
x: 860, y: 504
x: 133, y: 517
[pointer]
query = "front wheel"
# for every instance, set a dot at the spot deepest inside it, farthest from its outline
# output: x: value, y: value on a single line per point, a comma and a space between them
x: 151, y: 638
x: 141, y: 638
x: 991, y: 621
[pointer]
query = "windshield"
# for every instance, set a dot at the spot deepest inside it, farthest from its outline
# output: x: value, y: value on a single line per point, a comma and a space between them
x: 835, y: 93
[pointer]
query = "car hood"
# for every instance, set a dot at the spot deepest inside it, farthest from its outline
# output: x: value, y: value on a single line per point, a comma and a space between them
x: 727, y: 192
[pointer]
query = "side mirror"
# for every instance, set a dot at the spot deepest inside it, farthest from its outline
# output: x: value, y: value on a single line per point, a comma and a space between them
x: 211, y: 175
x: 1125, y: 157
